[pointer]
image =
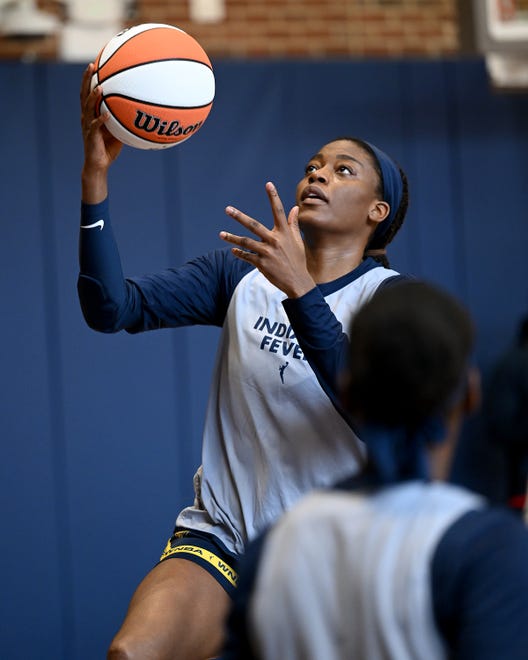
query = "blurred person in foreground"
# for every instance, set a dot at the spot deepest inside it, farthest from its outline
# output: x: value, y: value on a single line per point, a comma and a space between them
x: 396, y: 562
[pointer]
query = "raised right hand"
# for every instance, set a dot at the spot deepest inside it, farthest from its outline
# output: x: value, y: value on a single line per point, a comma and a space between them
x: 101, y: 148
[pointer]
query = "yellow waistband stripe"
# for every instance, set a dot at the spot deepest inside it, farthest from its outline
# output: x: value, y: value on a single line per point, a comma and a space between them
x: 208, y: 556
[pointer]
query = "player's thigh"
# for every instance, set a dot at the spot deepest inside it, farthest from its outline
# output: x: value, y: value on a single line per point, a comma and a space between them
x: 178, y: 611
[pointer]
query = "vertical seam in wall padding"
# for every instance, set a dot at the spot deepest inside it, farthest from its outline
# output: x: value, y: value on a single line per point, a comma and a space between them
x: 180, y: 336
x: 456, y: 176
x: 408, y: 156
x: 52, y: 334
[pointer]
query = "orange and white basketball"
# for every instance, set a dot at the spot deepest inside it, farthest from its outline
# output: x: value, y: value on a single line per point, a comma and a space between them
x: 157, y: 85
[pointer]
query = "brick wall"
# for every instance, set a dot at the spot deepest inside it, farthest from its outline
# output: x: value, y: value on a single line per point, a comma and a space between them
x: 296, y: 28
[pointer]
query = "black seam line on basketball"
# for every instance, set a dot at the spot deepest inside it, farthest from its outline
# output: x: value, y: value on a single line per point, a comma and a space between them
x: 140, y: 64
x: 155, y: 105
x: 125, y: 43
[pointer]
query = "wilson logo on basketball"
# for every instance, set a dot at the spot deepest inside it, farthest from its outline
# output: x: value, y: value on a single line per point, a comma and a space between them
x: 151, y: 124
x: 157, y: 85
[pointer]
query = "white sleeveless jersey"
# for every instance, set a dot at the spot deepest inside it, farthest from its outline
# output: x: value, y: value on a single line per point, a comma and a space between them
x: 348, y: 576
x: 271, y: 432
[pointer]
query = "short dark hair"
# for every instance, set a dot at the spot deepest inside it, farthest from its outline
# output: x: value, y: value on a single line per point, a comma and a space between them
x: 409, y: 351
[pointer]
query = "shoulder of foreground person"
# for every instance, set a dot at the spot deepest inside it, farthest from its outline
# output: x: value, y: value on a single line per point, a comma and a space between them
x: 480, y: 586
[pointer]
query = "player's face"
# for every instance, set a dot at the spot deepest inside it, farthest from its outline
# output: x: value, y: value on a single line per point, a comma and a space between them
x: 339, y: 189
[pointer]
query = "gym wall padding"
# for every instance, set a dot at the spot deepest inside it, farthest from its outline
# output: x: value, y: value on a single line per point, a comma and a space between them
x: 101, y: 433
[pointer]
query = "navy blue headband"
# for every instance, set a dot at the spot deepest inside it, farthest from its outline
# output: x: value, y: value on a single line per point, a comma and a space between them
x: 392, y: 188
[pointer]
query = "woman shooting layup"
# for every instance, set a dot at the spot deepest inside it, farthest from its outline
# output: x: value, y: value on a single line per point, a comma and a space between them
x: 273, y: 429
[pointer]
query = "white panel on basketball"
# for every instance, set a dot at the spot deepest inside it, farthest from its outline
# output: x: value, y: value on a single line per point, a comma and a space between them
x: 194, y: 83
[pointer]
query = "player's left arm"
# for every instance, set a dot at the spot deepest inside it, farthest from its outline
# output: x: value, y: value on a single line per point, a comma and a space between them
x: 321, y: 337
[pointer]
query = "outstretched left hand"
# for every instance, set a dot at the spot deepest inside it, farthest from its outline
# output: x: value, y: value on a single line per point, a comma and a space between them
x: 279, y: 254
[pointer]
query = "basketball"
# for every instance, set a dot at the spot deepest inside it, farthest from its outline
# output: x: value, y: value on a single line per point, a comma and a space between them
x: 157, y: 85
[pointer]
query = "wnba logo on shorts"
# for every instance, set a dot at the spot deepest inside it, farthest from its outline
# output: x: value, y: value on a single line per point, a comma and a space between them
x: 151, y: 124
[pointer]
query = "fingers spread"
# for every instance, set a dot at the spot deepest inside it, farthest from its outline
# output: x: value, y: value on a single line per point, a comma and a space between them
x: 89, y: 110
x: 248, y: 222
x: 276, y: 205
x: 243, y: 254
x: 248, y: 244
x: 86, y: 83
x: 293, y: 217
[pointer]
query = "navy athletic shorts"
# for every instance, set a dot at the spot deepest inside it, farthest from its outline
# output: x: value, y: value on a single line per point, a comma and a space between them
x: 207, y: 551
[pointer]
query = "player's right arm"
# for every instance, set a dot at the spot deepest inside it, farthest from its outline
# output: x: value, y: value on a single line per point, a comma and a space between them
x: 196, y: 293
x: 101, y: 285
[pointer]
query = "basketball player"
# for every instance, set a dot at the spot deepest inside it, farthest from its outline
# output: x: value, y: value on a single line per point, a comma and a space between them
x: 273, y: 429
x: 394, y: 563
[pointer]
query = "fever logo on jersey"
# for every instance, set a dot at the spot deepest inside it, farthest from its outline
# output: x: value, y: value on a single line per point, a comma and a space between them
x: 281, y: 371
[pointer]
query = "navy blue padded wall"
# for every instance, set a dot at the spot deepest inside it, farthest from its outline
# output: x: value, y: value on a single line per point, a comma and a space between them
x: 428, y: 154
x: 102, y: 433
x: 35, y: 590
x: 491, y: 149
